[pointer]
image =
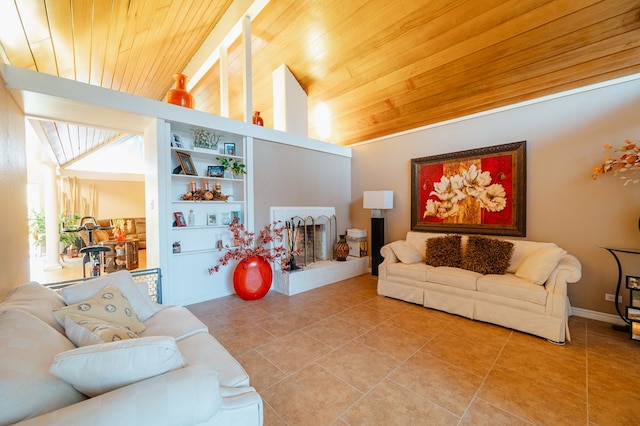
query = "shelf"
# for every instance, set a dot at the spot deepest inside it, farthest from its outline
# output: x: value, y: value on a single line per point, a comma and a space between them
x: 209, y: 250
x: 182, y: 228
x: 192, y: 177
x: 206, y: 202
x: 205, y: 154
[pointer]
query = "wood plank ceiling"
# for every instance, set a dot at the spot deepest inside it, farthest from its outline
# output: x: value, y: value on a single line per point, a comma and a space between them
x: 380, y: 67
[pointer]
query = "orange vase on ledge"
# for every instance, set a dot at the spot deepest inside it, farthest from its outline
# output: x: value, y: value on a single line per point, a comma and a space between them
x: 256, y: 119
x: 179, y: 95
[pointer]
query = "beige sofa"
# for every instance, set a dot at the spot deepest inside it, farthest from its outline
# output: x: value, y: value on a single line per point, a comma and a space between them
x: 136, y: 227
x: 173, y: 373
x: 530, y: 297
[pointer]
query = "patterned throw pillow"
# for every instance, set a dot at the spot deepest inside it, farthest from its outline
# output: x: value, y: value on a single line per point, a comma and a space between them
x: 487, y: 255
x: 108, y: 305
x: 444, y: 251
x: 85, y: 331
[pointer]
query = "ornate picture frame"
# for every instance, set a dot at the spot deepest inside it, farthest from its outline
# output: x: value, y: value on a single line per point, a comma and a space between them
x: 478, y: 191
x: 187, y: 164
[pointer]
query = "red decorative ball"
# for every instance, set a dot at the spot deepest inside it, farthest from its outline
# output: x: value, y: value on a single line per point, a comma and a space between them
x: 252, y: 278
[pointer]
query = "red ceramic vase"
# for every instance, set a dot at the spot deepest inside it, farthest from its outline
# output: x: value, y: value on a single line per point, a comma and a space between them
x: 252, y: 278
x: 179, y: 95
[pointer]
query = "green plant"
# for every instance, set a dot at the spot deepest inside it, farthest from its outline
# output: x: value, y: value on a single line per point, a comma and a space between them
x: 37, y: 228
x: 236, y: 166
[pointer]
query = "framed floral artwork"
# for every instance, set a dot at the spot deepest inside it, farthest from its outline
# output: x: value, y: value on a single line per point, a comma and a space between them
x: 478, y: 191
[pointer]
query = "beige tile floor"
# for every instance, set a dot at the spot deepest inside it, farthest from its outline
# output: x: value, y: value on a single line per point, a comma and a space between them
x: 342, y: 355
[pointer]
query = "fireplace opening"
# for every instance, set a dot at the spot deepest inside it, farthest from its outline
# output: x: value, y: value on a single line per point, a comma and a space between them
x: 313, y: 237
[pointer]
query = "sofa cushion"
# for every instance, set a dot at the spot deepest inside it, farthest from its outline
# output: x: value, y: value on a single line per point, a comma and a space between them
x: 97, y: 369
x: 539, y: 265
x: 108, y: 305
x: 444, y: 251
x: 204, y: 349
x: 522, y: 249
x: 27, y: 388
x: 414, y: 271
x: 405, y: 252
x: 175, y: 321
x: 418, y: 240
x: 512, y: 287
x: 453, y: 277
x: 139, y: 300
x: 38, y: 300
x: 85, y: 331
x: 487, y: 255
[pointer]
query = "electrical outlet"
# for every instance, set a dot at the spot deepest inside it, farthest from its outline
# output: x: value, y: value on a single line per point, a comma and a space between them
x: 612, y: 297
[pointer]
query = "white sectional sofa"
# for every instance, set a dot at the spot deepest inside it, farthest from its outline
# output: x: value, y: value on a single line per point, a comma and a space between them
x: 172, y: 373
x: 531, y: 296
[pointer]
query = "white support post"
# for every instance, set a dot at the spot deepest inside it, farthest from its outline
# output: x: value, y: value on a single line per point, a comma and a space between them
x: 247, y: 76
x: 52, y: 232
x: 224, y: 81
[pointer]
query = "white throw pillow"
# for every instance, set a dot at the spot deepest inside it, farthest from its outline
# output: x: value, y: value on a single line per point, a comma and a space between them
x: 85, y: 331
x: 96, y: 369
x: 140, y: 301
x: 538, y: 265
x: 405, y: 252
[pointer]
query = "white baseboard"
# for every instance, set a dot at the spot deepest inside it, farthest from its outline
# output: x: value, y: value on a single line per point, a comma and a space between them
x: 598, y: 316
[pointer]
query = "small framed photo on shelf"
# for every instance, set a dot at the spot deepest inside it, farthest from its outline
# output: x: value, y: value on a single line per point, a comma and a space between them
x: 176, y: 142
x: 179, y: 219
x: 633, y: 283
x: 215, y: 171
x: 230, y: 148
x: 211, y: 219
x: 236, y: 215
x: 187, y: 164
x: 633, y: 314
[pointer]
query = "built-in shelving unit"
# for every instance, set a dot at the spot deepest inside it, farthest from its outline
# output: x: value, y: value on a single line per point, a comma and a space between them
x: 206, y: 233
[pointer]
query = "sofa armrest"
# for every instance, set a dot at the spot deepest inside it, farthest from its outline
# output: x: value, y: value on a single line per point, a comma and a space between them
x: 568, y: 270
x: 389, y: 257
x: 166, y: 399
x: 571, y: 268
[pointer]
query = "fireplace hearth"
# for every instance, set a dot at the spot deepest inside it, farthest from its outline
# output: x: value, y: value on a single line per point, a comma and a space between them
x: 314, y: 230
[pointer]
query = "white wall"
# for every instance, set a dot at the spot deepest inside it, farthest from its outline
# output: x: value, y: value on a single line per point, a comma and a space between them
x: 14, y: 230
x: 288, y: 176
x: 564, y: 141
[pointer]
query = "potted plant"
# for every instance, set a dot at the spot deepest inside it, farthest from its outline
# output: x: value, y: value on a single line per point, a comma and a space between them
x: 234, y: 165
x: 252, y: 275
x: 38, y: 232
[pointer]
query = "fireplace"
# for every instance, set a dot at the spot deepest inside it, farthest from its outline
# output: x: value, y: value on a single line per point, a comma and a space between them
x: 314, y: 230
x: 314, y: 237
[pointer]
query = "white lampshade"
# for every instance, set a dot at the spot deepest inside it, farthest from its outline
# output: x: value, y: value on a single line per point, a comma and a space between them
x: 377, y: 200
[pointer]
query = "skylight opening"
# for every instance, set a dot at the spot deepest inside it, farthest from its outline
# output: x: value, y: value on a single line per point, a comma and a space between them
x: 125, y: 155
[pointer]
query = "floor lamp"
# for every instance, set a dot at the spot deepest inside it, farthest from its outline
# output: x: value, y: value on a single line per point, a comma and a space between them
x: 377, y: 201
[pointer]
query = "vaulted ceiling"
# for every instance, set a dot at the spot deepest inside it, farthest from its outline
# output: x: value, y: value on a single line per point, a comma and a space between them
x: 379, y: 66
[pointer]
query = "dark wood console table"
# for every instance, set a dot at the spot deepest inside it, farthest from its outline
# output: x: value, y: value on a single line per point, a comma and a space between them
x: 614, y: 252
